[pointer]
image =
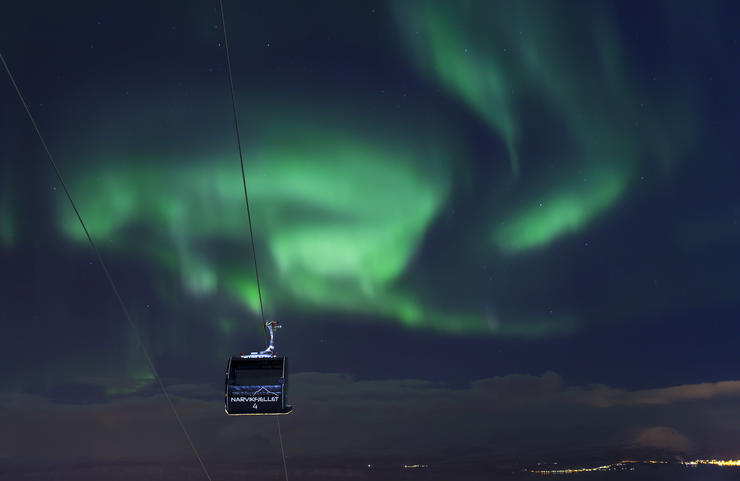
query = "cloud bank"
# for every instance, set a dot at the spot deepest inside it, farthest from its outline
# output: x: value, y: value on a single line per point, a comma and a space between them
x: 339, y: 418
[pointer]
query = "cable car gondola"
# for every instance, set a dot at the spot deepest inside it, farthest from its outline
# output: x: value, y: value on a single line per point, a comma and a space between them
x: 257, y: 383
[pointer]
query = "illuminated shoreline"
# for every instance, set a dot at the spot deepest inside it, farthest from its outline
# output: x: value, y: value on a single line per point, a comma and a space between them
x: 627, y: 463
x: 714, y: 462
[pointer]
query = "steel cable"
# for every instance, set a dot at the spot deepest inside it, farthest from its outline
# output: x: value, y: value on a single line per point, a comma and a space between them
x: 246, y: 200
x: 108, y: 276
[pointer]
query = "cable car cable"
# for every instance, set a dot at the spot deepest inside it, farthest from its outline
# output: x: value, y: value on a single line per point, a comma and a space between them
x: 108, y: 276
x: 241, y: 160
x: 282, y: 447
x: 246, y: 199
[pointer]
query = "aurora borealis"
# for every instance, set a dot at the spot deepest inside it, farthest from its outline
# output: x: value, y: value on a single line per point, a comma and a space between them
x: 340, y: 216
x: 500, y: 68
x: 447, y: 197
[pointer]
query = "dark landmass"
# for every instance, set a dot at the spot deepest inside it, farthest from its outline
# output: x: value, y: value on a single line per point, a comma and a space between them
x: 164, y: 472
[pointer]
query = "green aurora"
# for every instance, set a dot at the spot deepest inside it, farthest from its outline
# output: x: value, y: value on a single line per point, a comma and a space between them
x: 344, y: 192
x: 501, y: 59
x: 338, y: 218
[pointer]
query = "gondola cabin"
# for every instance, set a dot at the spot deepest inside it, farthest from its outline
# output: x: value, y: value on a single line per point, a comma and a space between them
x: 257, y: 383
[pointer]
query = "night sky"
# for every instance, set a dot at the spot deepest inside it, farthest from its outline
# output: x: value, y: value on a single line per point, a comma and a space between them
x: 491, y: 230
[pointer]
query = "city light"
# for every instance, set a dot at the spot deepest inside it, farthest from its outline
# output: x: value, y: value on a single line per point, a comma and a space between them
x: 629, y: 464
x: 715, y: 462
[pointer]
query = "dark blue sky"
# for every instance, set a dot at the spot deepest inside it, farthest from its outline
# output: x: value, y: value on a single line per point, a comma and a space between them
x: 445, y: 196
